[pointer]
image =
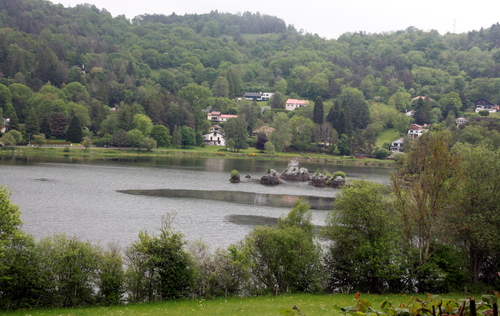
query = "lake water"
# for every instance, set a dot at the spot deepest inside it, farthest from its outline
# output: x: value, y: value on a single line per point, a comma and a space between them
x: 85, y: 198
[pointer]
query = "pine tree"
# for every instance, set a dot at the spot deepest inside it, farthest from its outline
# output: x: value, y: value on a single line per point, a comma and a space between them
x: 32, y: 124
x: 14, y: 122
x: 45, y: 128
x: 318, y: 111
x: 74, y: 133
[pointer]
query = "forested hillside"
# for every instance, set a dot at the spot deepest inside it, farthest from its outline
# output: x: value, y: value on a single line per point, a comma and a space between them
x: 62, y: 62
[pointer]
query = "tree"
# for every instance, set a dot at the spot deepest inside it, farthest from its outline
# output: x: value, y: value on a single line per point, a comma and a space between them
x: 12, y: 138
x: 119, y: 138
x: 176, y: 137
x: 363, y: 254
x: 39, y: 140
x: 32, y: 125
x: 188, y: 136
x: 10, y: 226
x: 235, y: 129
x: 318, y: 112
x: 74, y: 133
x: 478, y: 221
x: 269, y: 147
x: 6, y: 101
x: 401, y: 101
x: 87, y: 142
x: 277, y: 100
x: 344, y: 145
x: 161, y: 135
x: 285, y: 257
x: 158, y: 266
x: 261, y: 142
x: 143, y: 123
x: 280, y: 137
x: 354, y: 100
x: 58, y: 124
x: 134, y: 138
x: 450, y: 102
x: 424, y: 188
x: 221, y: 87
x: 148, y: 143
x: 14, y: 122
x: 45, y: 127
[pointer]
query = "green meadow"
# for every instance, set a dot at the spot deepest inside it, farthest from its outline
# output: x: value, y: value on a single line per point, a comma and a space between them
x: 308, y: 304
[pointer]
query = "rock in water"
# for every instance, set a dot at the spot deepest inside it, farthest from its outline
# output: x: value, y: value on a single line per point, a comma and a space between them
x: 294, y: 173
x: 271, y: 177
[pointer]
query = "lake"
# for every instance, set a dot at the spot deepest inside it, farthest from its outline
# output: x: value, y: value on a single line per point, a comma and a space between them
x: 112, y: 200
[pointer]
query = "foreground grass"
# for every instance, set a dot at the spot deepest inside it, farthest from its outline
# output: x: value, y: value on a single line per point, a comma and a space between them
x: 268, y: 305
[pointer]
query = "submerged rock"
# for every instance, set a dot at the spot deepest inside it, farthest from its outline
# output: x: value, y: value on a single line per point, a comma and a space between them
x: 320, y: 180
x: 294, y: 173
x: 271, y: 177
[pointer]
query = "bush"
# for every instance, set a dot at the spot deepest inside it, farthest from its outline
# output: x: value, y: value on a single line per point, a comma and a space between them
x: 339, y: 174
x: 234, y: 173
x: 159, y: 268
x: 381, y: 153
x: 484, y: 113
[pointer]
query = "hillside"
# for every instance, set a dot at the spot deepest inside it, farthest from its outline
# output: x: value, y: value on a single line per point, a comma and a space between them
x: 82, y: 61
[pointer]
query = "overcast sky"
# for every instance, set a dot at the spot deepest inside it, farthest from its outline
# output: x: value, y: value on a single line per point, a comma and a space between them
x: 332, y: 18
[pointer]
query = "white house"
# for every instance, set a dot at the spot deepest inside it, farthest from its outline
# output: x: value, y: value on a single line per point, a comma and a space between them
x: 397, y: 146
x: 484, y: 104
x: 258, y: 96
x: 217, y: 117
x: 461, y: 120
x: 292, y: 104
x: 215, y: 138
x: 416, y: 130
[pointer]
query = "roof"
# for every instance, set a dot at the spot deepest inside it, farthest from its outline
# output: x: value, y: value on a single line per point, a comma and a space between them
x: 215, y: 132
x: 214, y: 113
x: 483, y: 101
x: 295, y: 101
x: 253, y: 94
x: 422, y: 97
x: 415, y: 127
x: 264, y: 129
x: 229, y: 115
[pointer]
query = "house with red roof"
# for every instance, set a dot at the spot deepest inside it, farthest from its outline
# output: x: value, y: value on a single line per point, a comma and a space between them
x: 292, y: 104
x: 217, y: 117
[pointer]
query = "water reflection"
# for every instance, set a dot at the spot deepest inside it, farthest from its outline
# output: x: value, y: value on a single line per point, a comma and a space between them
x: 273, y: 200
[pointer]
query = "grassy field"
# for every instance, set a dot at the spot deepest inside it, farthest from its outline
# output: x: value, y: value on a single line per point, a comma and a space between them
x: 387, y: 136
x: 268, y: 305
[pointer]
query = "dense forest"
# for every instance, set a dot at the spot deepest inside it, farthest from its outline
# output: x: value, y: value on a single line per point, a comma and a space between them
x: 57, y: 63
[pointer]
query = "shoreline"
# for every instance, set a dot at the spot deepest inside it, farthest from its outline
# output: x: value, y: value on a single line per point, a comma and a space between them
x: 99, y: 153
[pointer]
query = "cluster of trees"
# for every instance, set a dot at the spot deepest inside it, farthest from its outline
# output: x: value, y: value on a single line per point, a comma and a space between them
x: 57, y: 63
x: 434, y: 229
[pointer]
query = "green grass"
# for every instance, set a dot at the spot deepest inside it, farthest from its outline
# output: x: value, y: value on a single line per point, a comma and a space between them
x: 268, y: 305
x: 387, y: 136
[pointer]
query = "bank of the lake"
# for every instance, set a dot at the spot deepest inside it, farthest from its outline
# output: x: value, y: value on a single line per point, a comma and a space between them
x: 199, y: 152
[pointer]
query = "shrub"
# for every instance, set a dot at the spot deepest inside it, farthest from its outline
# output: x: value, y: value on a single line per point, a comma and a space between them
x: 484, y: 113
x: 234, y: 173
x: 381, y: 153
x: 339, y: 174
